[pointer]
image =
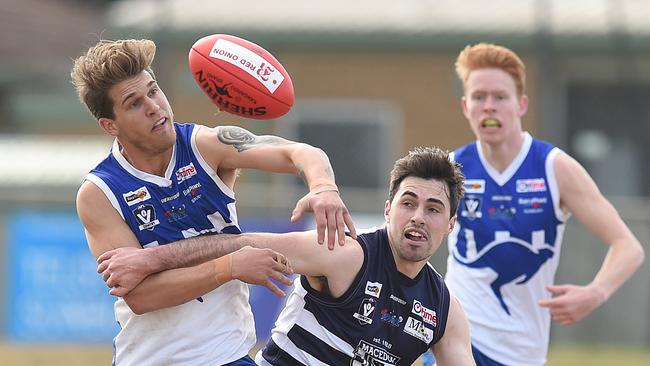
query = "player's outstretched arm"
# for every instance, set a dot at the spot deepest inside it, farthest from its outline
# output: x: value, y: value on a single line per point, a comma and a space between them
x: 230, y: 147
x: 327, y: 270
x: 178, y: 286
x: 454, y: 348
x: 126, y: 271
x: 580, y: 196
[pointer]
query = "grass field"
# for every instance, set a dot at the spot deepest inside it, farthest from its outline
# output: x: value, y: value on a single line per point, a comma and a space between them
x: 87, y: 355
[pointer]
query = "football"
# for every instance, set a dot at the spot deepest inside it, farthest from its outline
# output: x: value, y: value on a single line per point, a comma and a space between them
x: 241, y: 77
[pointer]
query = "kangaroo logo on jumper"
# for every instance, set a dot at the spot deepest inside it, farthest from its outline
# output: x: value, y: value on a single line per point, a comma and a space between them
x: 366, y: 309
x: 471, y: 208
x: 368, y: 354
x: 373, y: 288
x: 514, y: 260
x: 146, y: 217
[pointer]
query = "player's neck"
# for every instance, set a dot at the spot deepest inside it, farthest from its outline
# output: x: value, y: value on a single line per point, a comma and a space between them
x: 500, y: 155
x: 152, y: 163
x: 408, y: 268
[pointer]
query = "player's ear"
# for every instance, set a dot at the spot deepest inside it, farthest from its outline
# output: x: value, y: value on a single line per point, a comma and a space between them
x: 523, y: 105
x: 452, y: 223
x: 109, y: 126
x: 463, y: 104
x: 387, y: 211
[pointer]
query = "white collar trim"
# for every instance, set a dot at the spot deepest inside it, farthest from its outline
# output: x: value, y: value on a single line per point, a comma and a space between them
x: 503, y: 178
x: 151, y: 178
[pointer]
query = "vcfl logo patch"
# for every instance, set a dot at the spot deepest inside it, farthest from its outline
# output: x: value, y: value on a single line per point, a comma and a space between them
x: 146, y: 217
x: 367, y: 307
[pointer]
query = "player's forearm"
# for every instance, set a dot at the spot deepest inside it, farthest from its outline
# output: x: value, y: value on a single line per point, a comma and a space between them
x: 623, y: 258
x: 314, y: 167
x: 193, y: 251
x: 178, y: 286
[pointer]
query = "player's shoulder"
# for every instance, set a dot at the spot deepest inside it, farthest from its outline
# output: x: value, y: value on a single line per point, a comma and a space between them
x: 89, y: 198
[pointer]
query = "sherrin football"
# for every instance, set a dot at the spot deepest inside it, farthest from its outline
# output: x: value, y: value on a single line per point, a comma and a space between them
x: 241, y: 77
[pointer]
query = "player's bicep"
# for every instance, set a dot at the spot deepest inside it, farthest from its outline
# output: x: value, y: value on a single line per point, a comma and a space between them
x: 105, y: 229
x: 236, y: 147
x: 580, y: 195
x: 454, y: 348
x: 309, y: 258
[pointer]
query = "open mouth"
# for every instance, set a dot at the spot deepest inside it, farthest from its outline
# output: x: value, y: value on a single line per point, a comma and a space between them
x: 490, y: 122
x: 159, y: 124
x: 415, y: 234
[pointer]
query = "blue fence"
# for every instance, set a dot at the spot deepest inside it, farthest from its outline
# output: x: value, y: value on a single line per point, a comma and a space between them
x: 55, y: 295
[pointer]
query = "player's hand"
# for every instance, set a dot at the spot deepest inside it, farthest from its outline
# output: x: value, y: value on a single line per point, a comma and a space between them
x: 124, y: 268
x: 260, y: 266
x: 330, y: 213
x: 572, y: 303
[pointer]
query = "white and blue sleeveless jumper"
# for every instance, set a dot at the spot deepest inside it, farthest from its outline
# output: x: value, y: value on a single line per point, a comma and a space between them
x: 189, y: 200
x: 505, y: 248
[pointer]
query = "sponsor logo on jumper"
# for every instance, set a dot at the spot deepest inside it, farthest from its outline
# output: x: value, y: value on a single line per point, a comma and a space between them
x: 388, y: 316
x: 373, y: 288
x: 501, y: 198
x: 428, y: 315
x: 533, y: 202
x: 193, y: 191
x: 145, y: 215
x: 416, y: 328
x: 176, y: 213
x: 367, y: 307
x: 395, y: 298
x: 370, y: 354
x: 185, y: 173
x: 501, y: 212
x: 530, y: 185
x: 474, y: 185
x: 471, y: 208
x: 533, y: 205
x: 139, y: 195
x: 248, y: 61
x: 170, y: 198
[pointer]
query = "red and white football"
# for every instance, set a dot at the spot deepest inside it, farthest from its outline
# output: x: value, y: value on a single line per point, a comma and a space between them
x: 241, y: 77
